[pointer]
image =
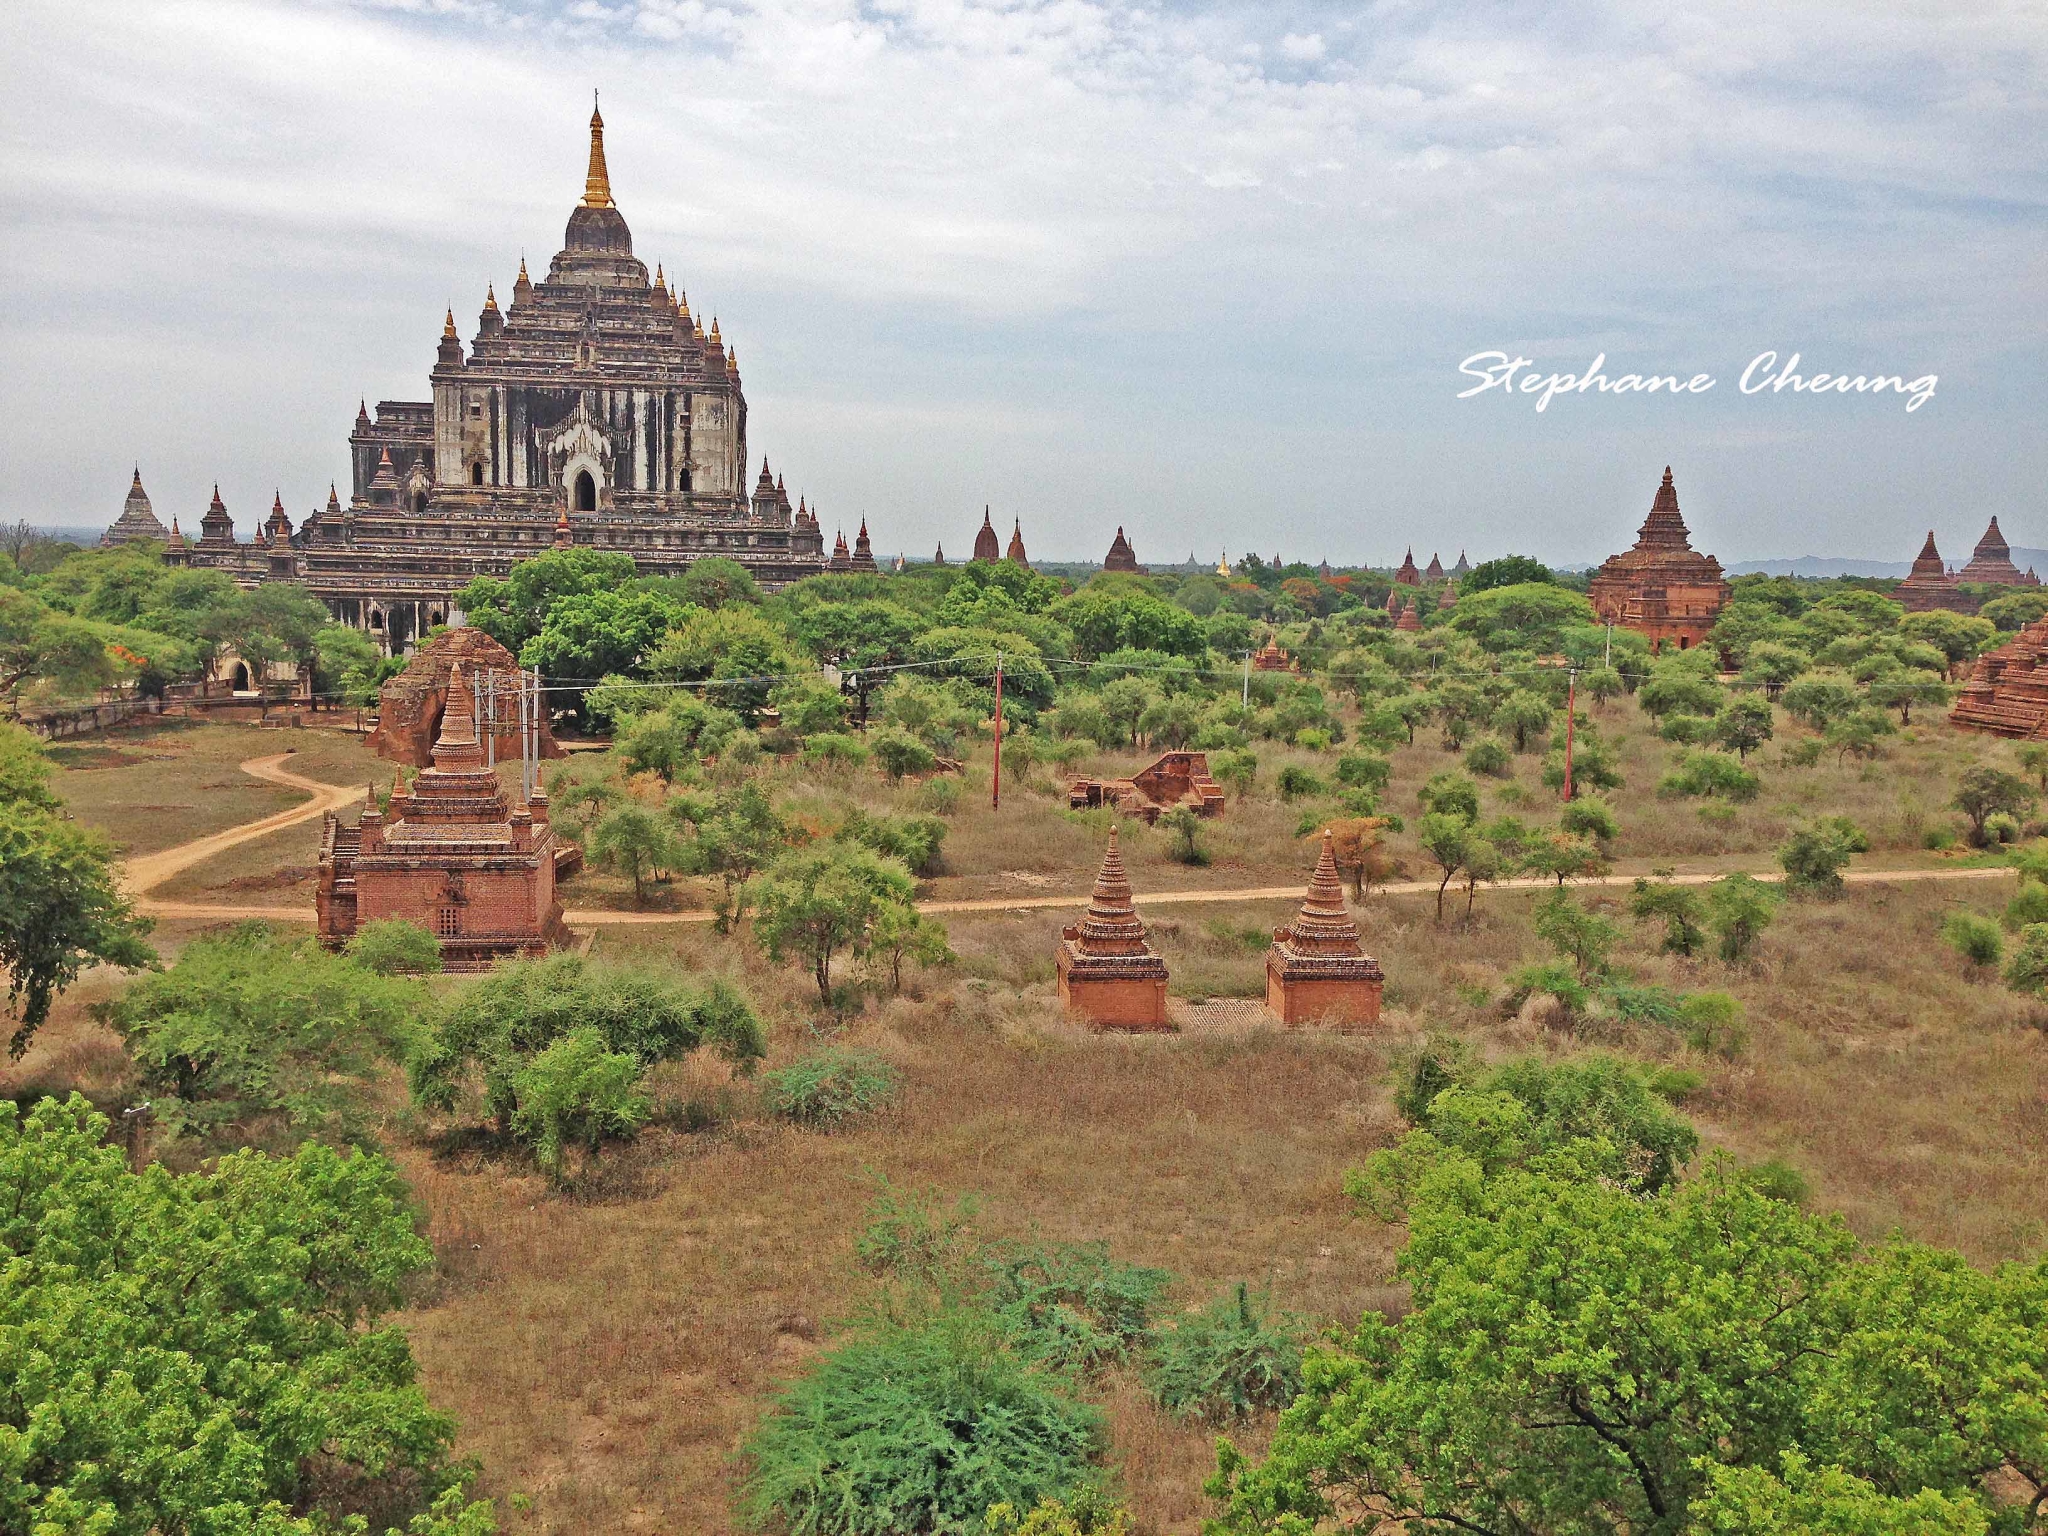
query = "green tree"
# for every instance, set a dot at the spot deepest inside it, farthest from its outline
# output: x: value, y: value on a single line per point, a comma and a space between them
x: 1957, y: 636
x: 1590, y: 817
x: 2033, y: 759
x: 862, y: 639
x: 1451, y: 794
x: 1575, y: 934
x: 209, y: 1352
x: 1681, y: 909
x: 2027, y: 970
x: 1739, y: 908
x: 813, y: 903
x: 1908, y: 686
x: 739, y: 650
x: 1982, y: 793
x: 1710, y: 774
x: 1104, y: 620
x: 1524, y: 715
x: 346, y: 664
x: 903, y: 933
x: 716, y: 582
x: 902, y: 754
x: 1503, y: 571
x: 1820, y: 699
x: 637, y: 840
x: 1857, y: 733
x: 1451, y: 842
x: 1813, y: 856
x: 512, y: 609
x: 809, y: 706
x: 1770, y: 666
x: 585, y: 636
x: 2014, y: 611
x: 254, y: 1037
x: 741, y: 835
x: 1677, y: 686
x: 1744, y: 724
x: 394, y: 947
x: 60, y: 909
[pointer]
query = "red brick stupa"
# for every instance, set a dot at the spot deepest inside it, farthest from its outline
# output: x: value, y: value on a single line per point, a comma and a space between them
x: 1015, y: 553
x: 1270, y: 658
x: 1107, y: 972
x: 1991, y: 561
x: 1408, y: 575
x: 1931, y: 586
x: 1409, y: 618
x: 1316, y: 971
x: 1662, y: 589
x: 1121, y: 556
x: 453, y: 856
x: 987, y: 545
x: 2007, y: 694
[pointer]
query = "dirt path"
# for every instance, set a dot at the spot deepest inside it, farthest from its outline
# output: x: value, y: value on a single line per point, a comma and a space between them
x: 140, y: 876
x: 144, y: 874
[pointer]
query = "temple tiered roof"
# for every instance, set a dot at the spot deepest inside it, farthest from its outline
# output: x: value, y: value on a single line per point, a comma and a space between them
x: 1991, y: 561
x: 138, y: 520
x: 1317, y: 969
x: 1931, y: 585
x: 1662, y: 588
x: 1107, y: 969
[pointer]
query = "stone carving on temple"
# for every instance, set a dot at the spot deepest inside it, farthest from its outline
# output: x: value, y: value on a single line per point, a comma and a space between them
x: 1662, y: 588
x: 2007, y: 694
x: 453, y: 855
x: 1107, y: 971
x: 1317, y: 972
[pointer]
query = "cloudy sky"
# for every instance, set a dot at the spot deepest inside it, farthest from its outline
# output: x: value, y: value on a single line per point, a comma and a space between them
x: 1207, y: 272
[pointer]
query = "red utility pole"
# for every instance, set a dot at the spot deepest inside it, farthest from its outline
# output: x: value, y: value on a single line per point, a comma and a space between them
x: 995, y: 797
x: 1571, y: 699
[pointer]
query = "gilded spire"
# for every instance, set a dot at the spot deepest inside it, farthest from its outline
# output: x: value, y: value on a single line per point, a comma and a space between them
x: 448, y: 325
x: 490, y: 296
x: 597, y: 185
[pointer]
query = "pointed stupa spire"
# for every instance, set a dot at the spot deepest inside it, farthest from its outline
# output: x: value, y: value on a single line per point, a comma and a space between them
x: 455, y: 745
x: 1324, y: 925
x: 448, y: 325
x: 597, y: 184
x: 1664, y: 528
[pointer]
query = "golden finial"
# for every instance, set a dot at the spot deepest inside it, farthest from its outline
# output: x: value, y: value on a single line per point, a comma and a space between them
x: 448, y: 325
x: 714, y: 328
x: 700, y: 334
x: 660, y: 281
x: 597, y: 185
x: 490, y: 296
x: 732, y: 361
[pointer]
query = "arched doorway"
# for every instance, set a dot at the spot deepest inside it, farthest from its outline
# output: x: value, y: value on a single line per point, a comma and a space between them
x: 586, y: 492
x: 419, y: 503
x: 476, y: 474
x: 241, y: 683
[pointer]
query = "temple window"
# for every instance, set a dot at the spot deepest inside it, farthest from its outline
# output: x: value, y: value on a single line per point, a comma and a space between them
x: 447, y: 922
x: 476, y: 474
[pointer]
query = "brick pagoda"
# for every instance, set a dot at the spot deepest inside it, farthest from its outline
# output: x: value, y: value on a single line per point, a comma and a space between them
x: 1316, y: 971
x: 1931, y: 585
x: 1408, y: 575
x: 1121, y: 556
x: 1991, y: 561
x: 1270, y: 658
x: 2007, y: 694
x: 453, y: 855
x: 988, y: 545
x: 1107, y: 971
x: 1662, y: 589
x: 410, y: 705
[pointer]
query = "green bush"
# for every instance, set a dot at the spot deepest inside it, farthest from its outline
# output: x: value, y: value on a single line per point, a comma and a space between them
x: 1813, y: 856
x: 1686, y: 730
x: 1710, y: 773
x: 577, y: 1091
x: 1312, y: 738
x: 1713, y: 1024
x: 902, y: 754
x: 916, y: 840
x: 1739, y: 909
x: 2027, y: 970
x: 1089, y: 1512
x: 1589, y: 816
x: 917, y: 1428
x: 833, y: 749
x: 1489, y: 756
x: 909, y: 1235
x: 1295, y: 782
x: 2029, y: 904
x: 1070, y: 1306
x: 1186, y: 828
x: 1364, y: 770
x: 1778, y: 1179
x: 1975, y: 938
x: 1235, y: 1358
x: 829, y: 1087
x: 395, y: 947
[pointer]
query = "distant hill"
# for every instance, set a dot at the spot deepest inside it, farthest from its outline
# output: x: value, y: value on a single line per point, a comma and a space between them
x: 1815, y: 566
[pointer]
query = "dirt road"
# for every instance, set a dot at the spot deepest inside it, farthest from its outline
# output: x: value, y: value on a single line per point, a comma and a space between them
x: 144, y: 874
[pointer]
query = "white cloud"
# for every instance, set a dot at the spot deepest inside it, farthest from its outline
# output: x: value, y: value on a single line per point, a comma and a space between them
x: 1303, y: 49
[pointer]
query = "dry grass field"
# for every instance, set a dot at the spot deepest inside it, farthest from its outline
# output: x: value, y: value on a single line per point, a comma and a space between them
x: 606, y: 1349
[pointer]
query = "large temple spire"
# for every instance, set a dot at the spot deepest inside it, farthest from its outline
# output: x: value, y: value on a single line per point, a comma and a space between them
x: 597, y: 185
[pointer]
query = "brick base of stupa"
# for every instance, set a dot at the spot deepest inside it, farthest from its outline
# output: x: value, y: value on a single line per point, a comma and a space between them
x: 1109, y: 996
x: 1341, y: 1003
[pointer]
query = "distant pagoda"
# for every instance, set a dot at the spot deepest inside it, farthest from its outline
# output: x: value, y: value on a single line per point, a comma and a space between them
x: 1662, y: 588
x: 1121, y: 556
x: 1991, y: 562
x: 138, y: 520
x: 1931, y: 585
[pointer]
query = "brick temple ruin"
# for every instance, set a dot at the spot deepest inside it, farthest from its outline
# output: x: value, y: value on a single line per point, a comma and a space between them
x: 410, y: 705
x: 1176, y: 779
x: 1662, y: 588
x: 453, y: 855
x: 1317, y: 972
x: 2007, y: 694
x: 1108, y: 972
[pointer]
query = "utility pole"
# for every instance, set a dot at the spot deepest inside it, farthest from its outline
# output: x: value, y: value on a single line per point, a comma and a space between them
x: 1246, y: 699
x: 995, y: 799
x: 1571, y: 700
x: 487, y: 710
x: 1607, y: 653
